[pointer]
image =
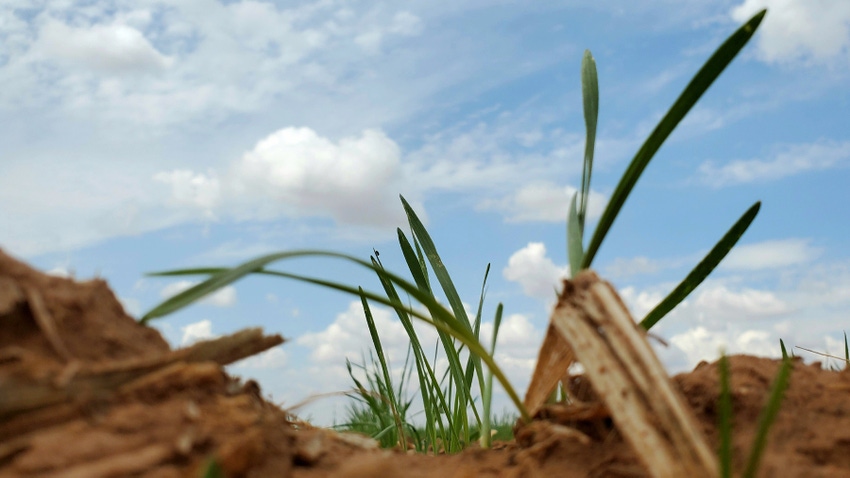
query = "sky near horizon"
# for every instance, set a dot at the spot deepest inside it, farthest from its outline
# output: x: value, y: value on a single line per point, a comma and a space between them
x: 149, y: 135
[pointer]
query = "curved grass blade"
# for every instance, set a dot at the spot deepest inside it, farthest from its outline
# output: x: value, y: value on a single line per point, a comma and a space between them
x: 574, y: 246
x: 590, y: 97
x: 703, y: 269
x: 695, y: 89
x: 767, y: 417
x: 218, y: 280
x: 437, y: 265
x: 441, y: 318
x: 784, y: 351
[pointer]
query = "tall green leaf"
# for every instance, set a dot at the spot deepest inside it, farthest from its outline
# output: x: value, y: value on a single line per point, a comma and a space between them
x: 590, y: 97
x: 703, y: 269
x: 692, y: 93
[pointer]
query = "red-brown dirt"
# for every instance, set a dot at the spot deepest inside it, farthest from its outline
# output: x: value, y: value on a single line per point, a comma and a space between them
x: 85, y: 391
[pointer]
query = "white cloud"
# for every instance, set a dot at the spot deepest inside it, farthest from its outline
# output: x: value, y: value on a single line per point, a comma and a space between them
x: 809, y: 30
x: 296, y: 172
x: 273, y: 358
x: 791, y: 160
x: 543, y: 201
x: 771, y: 255
x: 640, y: 302
x: 60, y: 271
x: 111, y: 48
x: 720, y: 303
x: 196, y: 332
x: 188, y: 188
x: 536, y: 273
x: 702, y: 344
x: 354, y: 179
x: 224, y: 297
x: 348, y: 337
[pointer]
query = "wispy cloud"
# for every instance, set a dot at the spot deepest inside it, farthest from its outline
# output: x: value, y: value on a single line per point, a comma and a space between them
x: 771, y: 255
x: 542, y: 201
x: 788, y: 161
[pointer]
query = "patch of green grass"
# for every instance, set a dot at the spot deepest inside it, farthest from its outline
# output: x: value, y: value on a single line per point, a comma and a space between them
x: 377, y: 410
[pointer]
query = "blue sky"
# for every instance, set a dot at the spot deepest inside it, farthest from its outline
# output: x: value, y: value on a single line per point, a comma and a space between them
x: 148, y: 135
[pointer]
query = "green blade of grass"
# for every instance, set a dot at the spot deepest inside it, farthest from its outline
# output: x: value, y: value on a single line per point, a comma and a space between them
x: 767, y: 417
x: 443, y: 320
x: 692, y: 93
x: 218, y: 280
x: 379, y: 350
x: 725, y: 412
x: 487, y: 396
x: 846, y: 349
x: 437, y: 266
x: 574, y: 246
x: 590, y: 97
x: 784, y: 351
x: 703, y: 269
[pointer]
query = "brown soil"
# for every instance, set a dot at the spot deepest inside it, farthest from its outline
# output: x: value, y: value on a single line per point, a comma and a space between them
x: 85, y: 391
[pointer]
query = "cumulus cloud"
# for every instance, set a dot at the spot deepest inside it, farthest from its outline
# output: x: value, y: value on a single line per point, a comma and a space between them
x: 113, y: 48
x: 543, y: 201
x: 771, y: 255
x: 224, y: 297
x: 196, y: 332
x: 348, y: 336
x: 195, y: 190
x: 702, y: 344
x: 721, y: 303
x: 536, y: 273
x: 808, y: 30
x: 640, y: 302
x: 295, y: 171
x: 790, y: 160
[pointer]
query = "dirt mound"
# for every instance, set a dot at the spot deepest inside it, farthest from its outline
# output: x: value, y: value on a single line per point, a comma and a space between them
x: 85, y: 391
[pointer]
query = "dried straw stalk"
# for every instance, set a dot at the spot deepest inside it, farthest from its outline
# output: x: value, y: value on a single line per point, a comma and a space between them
x: 591, y: 324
